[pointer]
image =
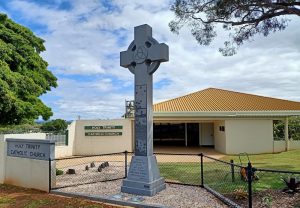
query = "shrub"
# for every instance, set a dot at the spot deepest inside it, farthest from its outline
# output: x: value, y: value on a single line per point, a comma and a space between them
x: 267, y: 200
x: 294, y: 128
x: 59, y: 172
x: 240, y: 193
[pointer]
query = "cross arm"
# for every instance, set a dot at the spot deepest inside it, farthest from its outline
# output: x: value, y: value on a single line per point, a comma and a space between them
x: 159, y: 52
x: 125, y: 58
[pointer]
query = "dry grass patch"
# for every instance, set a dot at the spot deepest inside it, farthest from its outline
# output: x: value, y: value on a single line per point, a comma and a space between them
x: 15, y: 197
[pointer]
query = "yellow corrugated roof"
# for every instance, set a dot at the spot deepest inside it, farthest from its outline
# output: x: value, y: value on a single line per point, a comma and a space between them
x: 213, y: 99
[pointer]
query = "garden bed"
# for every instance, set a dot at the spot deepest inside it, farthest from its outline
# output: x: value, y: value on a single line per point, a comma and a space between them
x: 270, y: 198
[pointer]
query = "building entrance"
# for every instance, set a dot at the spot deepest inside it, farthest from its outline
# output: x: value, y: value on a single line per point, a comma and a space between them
x: 176, y: 134
x: 192, y: 135
x: 168, y: 134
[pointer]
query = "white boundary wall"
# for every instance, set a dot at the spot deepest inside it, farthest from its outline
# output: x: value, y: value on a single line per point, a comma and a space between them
x: 294, y: 144
x: 26, y: 136
x: 2, y: 158
x: 67, y: 151
x: 3, y: 148
x: 25, y: 172
x: 28, y: 173
x: 93, y: 145
x: 279, y: 146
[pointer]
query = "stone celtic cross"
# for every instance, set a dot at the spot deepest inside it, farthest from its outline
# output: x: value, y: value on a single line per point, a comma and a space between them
x: 142, y: 58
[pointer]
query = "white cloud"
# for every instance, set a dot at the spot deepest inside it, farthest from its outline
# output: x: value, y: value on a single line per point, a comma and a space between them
x: 87, y: 39
x: 98, y: 99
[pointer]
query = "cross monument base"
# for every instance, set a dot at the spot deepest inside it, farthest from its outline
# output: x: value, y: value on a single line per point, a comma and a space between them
x: 143, y: 177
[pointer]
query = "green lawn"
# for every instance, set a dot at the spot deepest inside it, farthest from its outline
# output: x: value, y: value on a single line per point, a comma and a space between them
x: 187, y: 173
x: 218, y: 175
x: 289, y: 161
x: 280, y: 161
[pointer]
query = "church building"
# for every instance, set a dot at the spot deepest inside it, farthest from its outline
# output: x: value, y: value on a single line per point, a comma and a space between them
x: 227, y: 121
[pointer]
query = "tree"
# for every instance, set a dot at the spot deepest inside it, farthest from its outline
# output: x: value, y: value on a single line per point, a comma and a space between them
x: 241, y: 18
x: 294, y: 128
x: 23, y: 74
x: 56, y: 125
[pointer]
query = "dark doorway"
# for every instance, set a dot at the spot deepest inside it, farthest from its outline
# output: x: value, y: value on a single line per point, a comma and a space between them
x: 167, y: 134
x: 193, y: 134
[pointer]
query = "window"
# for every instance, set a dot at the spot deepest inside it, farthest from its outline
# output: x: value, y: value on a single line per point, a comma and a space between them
x: 221, y: 128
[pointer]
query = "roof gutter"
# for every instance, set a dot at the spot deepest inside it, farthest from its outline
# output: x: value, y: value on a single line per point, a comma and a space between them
x: 212, y: 114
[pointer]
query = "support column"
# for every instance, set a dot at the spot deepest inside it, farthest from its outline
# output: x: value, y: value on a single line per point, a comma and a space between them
x: 185, y: 134
x: 286, y: 134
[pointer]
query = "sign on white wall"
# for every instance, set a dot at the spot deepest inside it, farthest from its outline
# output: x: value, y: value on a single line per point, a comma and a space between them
x: 102, y: 127
x: 103, y: 133
x: 91, y: 131
x: 33, y: 149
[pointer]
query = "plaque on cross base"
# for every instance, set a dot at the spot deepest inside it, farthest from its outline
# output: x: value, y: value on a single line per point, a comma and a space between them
x: 142, y: 58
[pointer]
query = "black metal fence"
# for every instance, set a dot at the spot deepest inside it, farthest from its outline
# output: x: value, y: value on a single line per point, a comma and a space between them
x: 236, y: 185
x: 60, y: 139
x: 275, y: 188
x: 180, y: 168
x: 247, y: 186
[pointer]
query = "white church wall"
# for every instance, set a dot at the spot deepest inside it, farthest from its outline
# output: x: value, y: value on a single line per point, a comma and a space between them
x: 220, y: 136
x: 107, y: 140
x: 253, y: 136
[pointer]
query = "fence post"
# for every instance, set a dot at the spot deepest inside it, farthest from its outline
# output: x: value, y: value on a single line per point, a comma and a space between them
x: 249, y: 177
x: 232, y: 170
x: 202, y: 174
x: 50, y: 175
x: 67, y: 137
x: 126, y: 153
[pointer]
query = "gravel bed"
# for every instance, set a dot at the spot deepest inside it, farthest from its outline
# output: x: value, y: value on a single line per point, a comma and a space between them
x: 114, y: 171
x: 177, y: 196
x: 173, y: 196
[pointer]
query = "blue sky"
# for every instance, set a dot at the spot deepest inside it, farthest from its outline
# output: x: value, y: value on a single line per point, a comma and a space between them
x: 84, y: 38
